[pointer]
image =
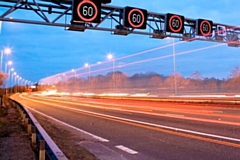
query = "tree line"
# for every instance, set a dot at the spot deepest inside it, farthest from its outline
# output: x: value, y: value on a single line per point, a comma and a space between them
x: 153, y: 83
x: 150, y: 82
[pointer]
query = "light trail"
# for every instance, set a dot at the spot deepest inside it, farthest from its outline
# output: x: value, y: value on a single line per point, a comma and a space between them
x: 150, y: 109
x: 161, y: 128
x: 151, y: 59
x: 138, y: 53
x: 128, y: 64
x: 123, y: 57
x: 141, y: 111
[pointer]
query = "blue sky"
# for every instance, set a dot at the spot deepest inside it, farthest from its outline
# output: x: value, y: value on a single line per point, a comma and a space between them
x: 41, y: 51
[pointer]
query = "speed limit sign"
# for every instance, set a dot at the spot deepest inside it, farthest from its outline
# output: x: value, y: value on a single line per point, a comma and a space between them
x: 204, y: 27
x: 135, y: 17
x: 86, y: 11
x: 174, y: 23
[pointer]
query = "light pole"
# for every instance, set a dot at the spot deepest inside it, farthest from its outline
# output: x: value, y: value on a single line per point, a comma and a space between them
x: 174, y: 66
x: 89, y: 70
x: 6, y: 81
x: 19, y: 82
x: 16, y: 82
x: 73, y: 70
x: 9, y: 63
x: 110, y: 57
x: 64, y: 81
x: 5, y: 51
x: 13, y: 85
x: 9, y: 79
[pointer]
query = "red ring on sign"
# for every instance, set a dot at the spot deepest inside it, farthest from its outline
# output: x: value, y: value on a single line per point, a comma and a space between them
x: 129, y: 20
x: 209, y: 32
x: 83, y: 18
x: 170, y: 20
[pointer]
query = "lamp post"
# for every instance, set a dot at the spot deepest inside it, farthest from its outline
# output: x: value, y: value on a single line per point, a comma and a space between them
x: 111, y: 58
x: 9, y: 79
x: 89, y: 70
x: 64, y: 81
x: 9, y: 63
x: 13, y: 85
x: 73, y: 70
x: 16, y: 82
x: 5, y: 51
x: 19, y: 82
x: 174, y: 66
x: 5, y: 84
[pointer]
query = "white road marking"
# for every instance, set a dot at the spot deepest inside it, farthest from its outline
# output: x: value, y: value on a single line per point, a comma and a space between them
x: 90, y: 134
x: 217, y: 111
x: 174, y: 115
x: 141, y: 122
x: 125, y: 149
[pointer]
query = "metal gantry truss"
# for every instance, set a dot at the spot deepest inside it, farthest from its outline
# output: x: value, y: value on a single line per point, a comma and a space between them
x: 57, y: 13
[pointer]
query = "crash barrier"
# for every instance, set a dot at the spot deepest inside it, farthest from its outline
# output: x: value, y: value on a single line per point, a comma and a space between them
x: 45, y: 147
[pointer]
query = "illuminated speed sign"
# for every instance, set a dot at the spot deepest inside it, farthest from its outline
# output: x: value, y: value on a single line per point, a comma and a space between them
x: 86, y: 11
x: 135, y: 18
x: 204, y: 27
x: 174, y: 23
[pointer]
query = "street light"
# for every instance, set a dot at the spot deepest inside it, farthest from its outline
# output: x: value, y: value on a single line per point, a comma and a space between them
x: 16, y: 81
x: 5, y: 84
x: 5, y: 51
x: 13, y: 82
x: 19, y: 82
x: 73, y: 70
x: 9, y: 78
x: 174, y: 66
x: 89, y: 70
x: 9, y: 63
x: 110, y: 57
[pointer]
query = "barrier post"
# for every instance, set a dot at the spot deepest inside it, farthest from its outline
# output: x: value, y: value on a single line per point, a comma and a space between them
x: 34, y: 135
x: 42, y: 150
x: 29, y: 127
x: 26, y: 122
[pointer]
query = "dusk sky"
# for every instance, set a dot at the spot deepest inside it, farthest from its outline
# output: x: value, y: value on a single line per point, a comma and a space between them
x: 41, y: 51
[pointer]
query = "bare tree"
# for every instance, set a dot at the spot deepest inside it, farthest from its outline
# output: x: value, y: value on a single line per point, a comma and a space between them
x: 154, y: 83
x: 196, y: 81
x: 235, y: 72
x: 3, y: 76
x: 196, y: 75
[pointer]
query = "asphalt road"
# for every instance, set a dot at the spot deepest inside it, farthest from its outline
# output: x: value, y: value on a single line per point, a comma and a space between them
x: 144, y: 130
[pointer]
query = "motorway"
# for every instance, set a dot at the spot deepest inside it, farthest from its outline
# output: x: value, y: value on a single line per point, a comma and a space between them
x: 145, y: 130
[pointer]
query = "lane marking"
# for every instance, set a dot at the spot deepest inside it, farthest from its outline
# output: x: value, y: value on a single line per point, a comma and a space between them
x: 174, y: 115
x: 68, y: 125
x: 125, y: 149
x: 217, y: 111
x: 145, y: 123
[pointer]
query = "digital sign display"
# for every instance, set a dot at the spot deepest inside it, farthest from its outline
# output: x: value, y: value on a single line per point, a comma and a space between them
x: 105, y: 1
x: 204, y: 27
x: 86, y: 11
x: 221, y: 30
x: 135, y: 18
x: 174, y: 23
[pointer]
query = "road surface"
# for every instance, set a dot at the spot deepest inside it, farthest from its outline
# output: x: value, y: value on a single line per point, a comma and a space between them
x: 145, y: 130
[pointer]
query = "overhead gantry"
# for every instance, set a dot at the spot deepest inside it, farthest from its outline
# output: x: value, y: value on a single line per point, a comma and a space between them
x: 81, y: 15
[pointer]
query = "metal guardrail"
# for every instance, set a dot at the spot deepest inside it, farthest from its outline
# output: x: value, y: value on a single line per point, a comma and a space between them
x: 41, y: 141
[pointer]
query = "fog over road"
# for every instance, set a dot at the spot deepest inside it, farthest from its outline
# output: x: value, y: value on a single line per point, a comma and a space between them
x: 145, y: 130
